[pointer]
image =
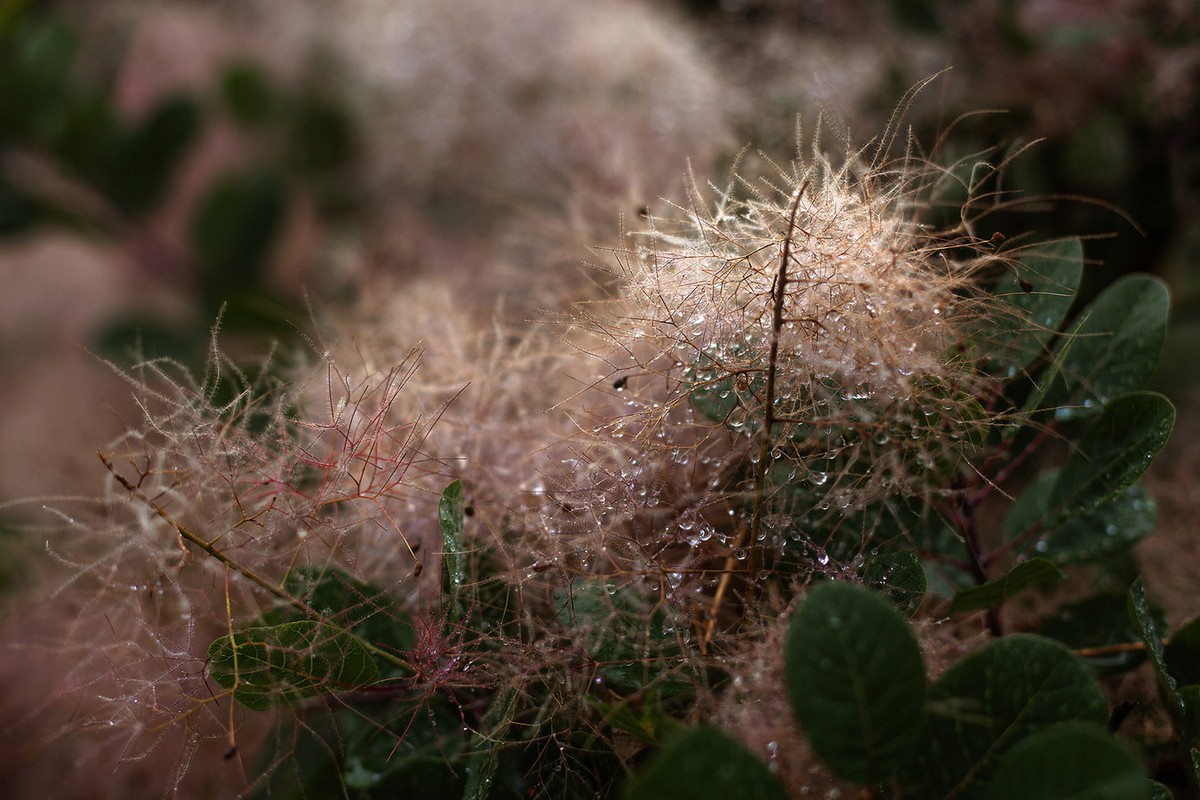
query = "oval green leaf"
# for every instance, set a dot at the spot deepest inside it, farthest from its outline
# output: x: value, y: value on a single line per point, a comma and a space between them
x: 1098, y: 622
x: 900, y: 578
x: 1026, y: 575
x: 267, y: 666
x: 988, y: 702
x: 1076, y: 760
x: 1112, y: 349
x: 149, y: 155
x: 1108, y: 528
x: 1037, y: 294
x: 1112, y: 454
x: 856, y: 681
x: 704, y: 764
x: 234, y: 227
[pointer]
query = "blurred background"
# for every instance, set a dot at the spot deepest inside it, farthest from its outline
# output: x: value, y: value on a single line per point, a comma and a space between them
x: 166, y: 164
x: 276, y: 164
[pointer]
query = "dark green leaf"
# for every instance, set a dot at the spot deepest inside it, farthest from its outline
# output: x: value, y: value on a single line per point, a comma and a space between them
x: 899, y: 577
x: 36, y: 57
x: 234, y: 228
x: 267, y: 666
x: 18, y: 210
x: 1111, y: 350
x: 856, y: 680
x: 986, y: 703
x: 322, y: 137
x: 1182, y: 655
x: 901, y: 525
x: 130, y: 338
x: 426, y: 777
x: 1113, y: 453
x: 1073, y: 760
x: 715, y: 400
x: 1190, y: 726
x: 632, y: 639
x: 1159, y: 792
x: 1113, y: 525
x: 1142, y: 613
x: 644, y: 720
x: 1037, y: 292
x: 249, y: 94
x: 1022, y: 576
x: 451, y: 518
x: 89, y: 137
x: 481, y: 771
x: 918, y: 16
x: 148, y: 158
x: 1098, y: 621
x: 364, y: 610
x: 704, y: 764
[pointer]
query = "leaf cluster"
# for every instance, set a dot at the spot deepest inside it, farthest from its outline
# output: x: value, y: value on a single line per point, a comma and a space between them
x: 71, y: 157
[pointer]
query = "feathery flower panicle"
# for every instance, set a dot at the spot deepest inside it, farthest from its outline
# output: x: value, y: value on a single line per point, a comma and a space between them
x: 813, y: 311
x: 229, y: 486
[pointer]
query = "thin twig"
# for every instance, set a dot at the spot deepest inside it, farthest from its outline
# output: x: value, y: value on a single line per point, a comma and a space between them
x: 778, y: 296
x: 208, y: 549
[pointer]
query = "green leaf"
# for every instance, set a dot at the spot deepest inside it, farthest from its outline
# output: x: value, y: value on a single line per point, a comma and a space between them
x: 1113, y: 453
x: 1100, y: 620
x: 149, y: 156
x: 1141, y: 612
x: 1110, y: 527
x: 1112, y: 349
x: 1182, y: 655
x: 904, y: 525
x: 451, y: 516
x: 322, y: 138
x: 715, y: 400
x: 1022, y: 576
x: 360, y: 608
x: 1037, y: 292
x: 36, y: 58
x: 19, y: 211
x: 983, y: 705
x: 88, y: 138
x: 856, y: 680
x: 1159, y: 792
x: 235, y: 225
x: 1074, y: 760
x: 249, y: 94
x: 1189, y: 729
x: 481, y: 771
x: 632, y: 639
x: 643, y: 719
x: 131, y: 338
x: 266, y: 666
x: 427, y: 777
x: 426, y: 762
x: 899, y: 577
x: 704, y: 764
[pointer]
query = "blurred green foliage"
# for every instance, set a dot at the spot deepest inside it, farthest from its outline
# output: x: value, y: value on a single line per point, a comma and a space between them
x: 71, y: 157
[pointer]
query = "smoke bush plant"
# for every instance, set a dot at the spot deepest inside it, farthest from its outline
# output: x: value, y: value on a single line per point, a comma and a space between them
x: 808, y: 418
